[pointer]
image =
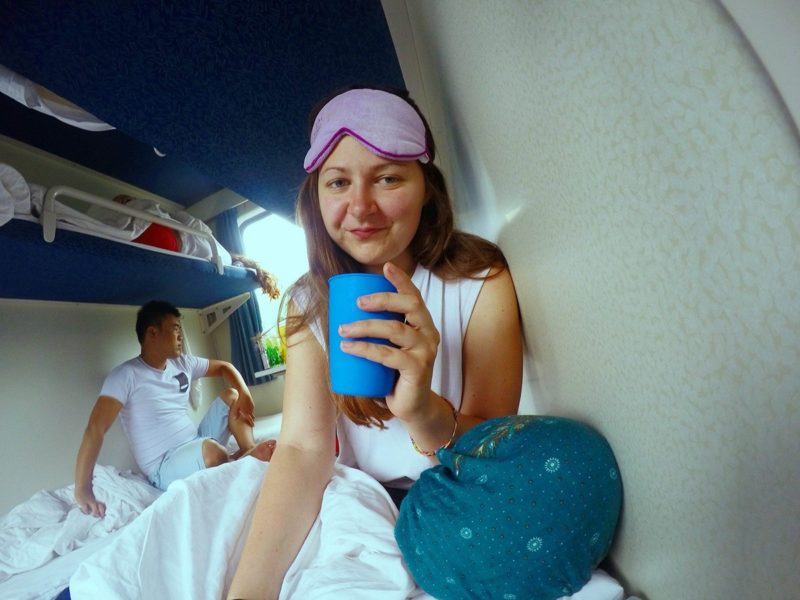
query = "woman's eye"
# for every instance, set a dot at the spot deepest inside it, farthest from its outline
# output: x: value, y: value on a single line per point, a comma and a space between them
x: 390, y: 179
x: 336, y: 183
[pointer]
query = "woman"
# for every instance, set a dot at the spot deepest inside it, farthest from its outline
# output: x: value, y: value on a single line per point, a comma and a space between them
x: 362, y: 211
x: 529, y: 522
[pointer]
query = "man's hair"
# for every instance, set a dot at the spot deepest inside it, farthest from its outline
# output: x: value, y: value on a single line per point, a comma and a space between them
x: 151, y: 314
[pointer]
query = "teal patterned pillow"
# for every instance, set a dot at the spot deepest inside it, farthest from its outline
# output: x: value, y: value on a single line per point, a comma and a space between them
x: 522, y: 507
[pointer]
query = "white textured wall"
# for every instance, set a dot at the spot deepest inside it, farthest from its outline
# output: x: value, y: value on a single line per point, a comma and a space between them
x: 643, y: 178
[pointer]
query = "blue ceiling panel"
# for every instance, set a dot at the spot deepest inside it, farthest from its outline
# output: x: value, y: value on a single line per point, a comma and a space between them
x: 110, y: 152
x: 225, y: 87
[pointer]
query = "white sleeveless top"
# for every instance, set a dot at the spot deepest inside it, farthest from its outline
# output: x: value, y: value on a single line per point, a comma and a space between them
x: 387, y: 454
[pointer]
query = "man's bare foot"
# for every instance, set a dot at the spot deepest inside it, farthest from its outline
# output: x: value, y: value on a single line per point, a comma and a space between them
x: 262, y: 451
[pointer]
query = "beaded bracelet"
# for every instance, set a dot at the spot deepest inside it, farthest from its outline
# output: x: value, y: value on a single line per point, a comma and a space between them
x: 443, y: 446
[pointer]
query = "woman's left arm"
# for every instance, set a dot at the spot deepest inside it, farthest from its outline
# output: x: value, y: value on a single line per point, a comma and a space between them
x: 491, y: 367
x: 492, y: 352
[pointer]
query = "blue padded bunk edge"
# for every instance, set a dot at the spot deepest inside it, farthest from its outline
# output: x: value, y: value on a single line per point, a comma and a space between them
x: 83, y: 268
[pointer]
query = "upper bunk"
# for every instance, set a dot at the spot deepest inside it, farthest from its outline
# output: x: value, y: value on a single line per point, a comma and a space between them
x: 52, y: 248
x: 229, y: 103
x: 80, y: 266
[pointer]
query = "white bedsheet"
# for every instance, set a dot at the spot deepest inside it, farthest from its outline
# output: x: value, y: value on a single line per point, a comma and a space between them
x: 46, y: 582
x: 50, y: 524
x: 188, y: 543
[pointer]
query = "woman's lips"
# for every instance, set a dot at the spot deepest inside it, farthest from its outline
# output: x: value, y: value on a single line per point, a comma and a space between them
x: 365, y: 232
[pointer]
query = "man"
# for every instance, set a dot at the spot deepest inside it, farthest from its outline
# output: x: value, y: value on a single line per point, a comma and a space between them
x: 151, y: 393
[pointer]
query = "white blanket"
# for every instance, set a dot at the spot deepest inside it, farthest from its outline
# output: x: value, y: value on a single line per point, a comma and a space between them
x: 15, y: 195
x: 188, y: 543
x: 50, y: 524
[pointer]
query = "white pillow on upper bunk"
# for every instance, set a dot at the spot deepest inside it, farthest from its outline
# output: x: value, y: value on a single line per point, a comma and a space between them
x: 15, y: 195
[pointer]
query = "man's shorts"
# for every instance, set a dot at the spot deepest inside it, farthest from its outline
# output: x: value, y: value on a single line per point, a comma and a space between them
x: 183, y: 460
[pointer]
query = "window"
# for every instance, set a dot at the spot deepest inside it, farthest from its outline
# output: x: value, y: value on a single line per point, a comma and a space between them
x: 280, y: 247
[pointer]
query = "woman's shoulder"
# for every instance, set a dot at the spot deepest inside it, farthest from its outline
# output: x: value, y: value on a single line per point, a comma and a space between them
x: 470, y: 257
x: 300, y: 294
x: 480, y: 272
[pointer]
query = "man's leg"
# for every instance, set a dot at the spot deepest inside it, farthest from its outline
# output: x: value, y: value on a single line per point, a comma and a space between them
x: 242, y: 432
x: 180, y: 462
x: 214, y: 453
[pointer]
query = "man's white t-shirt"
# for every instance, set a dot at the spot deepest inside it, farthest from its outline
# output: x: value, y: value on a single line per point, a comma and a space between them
x: 154, y: 404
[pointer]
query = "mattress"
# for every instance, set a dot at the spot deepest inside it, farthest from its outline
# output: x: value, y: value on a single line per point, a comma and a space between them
x: 83, y: 267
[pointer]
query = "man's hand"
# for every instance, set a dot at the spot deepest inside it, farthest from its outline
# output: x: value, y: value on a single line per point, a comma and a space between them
x: 244, y: 409
x: 88, y: 504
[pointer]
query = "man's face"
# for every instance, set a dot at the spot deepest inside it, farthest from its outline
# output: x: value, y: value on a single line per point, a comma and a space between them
x: 169, y: 337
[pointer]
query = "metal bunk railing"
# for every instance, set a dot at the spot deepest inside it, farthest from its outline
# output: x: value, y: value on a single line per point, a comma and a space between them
x: 50, y: 210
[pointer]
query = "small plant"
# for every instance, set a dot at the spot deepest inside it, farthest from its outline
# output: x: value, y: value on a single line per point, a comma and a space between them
x: 274, y: 347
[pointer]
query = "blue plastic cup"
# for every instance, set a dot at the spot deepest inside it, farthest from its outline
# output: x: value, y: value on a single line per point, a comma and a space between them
x: 354, y: 375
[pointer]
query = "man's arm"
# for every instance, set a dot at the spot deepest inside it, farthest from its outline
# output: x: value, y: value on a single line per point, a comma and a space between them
x: 244, y: 406
x: 103, y: 414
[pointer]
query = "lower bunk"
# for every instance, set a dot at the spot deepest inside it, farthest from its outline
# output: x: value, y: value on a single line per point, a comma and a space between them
x: 186, y: 542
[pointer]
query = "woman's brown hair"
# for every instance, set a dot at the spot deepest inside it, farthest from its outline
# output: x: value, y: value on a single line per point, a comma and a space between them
x: 449, y: 253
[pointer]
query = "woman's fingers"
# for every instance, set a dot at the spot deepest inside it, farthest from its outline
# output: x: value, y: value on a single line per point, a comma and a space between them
x: 399, y: 279
x: 394, y: 358
x: 406, y: 301
x: 396, y: 332
x: 391, y: 301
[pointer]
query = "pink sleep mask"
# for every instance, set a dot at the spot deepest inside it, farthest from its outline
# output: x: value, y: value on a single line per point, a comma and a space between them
x: 384, y: 123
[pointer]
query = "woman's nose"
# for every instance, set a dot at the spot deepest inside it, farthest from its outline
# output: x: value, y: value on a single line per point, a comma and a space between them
x: 361, y: 202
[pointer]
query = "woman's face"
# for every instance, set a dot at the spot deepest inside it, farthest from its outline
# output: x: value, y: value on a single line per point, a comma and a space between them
x: 371, y: 206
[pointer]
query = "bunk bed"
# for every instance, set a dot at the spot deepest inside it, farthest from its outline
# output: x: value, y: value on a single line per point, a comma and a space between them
x: 84, y: 265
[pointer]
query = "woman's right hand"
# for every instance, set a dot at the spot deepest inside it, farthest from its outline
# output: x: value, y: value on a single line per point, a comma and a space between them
x: 88, y: 504
x: 415, y: 343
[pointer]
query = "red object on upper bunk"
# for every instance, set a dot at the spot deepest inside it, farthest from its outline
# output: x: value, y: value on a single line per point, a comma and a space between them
x: 160, y: 236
